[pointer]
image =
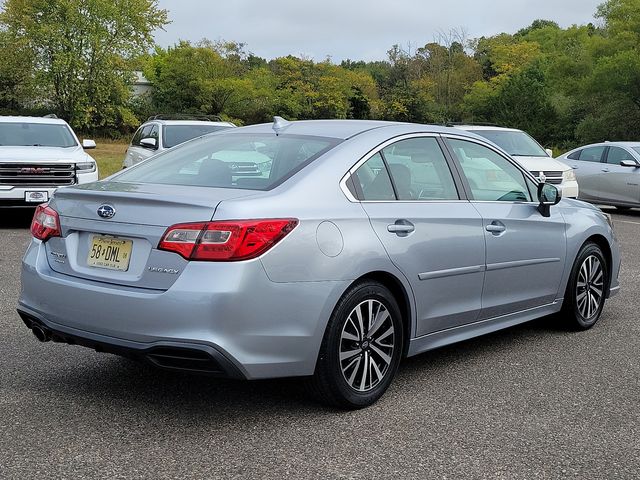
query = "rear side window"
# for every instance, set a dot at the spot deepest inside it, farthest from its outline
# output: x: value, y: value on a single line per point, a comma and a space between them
x: 373, y: 179
x: 247, y: 161
x: 591, y: 154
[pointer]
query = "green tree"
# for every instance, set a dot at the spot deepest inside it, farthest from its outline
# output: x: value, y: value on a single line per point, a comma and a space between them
x: 80, y: 50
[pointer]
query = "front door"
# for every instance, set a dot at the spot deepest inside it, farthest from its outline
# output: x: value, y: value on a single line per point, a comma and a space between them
x: 433, y: 236
x: 525, y: 251
x: 620, y: 184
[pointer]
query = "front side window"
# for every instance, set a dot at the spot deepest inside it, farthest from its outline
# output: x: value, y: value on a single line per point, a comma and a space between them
x: 617, y: 155
x: 247, y: 161
x: 143, y: 132
x: 419, y: 170
x: 491, y: 176
x: 24, y: 134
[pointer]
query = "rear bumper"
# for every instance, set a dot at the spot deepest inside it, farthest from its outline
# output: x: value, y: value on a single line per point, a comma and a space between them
x: 229, y: 311
x: 179, y: 356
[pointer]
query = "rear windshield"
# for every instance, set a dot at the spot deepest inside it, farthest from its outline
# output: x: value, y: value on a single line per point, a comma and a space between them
x: 518, y: 144
x: 35, y: 135
x: 247, y: 161
x: 177, y: 134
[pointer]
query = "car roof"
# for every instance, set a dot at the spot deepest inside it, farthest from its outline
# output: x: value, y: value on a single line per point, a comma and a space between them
x: 486, y: 127
x: 342, y: 129
x: 24, y: 119
x: 609, y: 144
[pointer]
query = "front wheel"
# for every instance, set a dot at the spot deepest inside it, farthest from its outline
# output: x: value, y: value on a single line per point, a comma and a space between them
x: 361, y: 349
x: 587, y: 288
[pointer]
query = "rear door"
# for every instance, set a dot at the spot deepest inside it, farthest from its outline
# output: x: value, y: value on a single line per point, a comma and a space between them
x: 588, y: 167
x: 431, y: 233
x: 524, y: 251
x: 619, y: 184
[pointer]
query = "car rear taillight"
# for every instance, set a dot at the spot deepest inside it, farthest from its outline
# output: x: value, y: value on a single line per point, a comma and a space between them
x: 225, y: 241
x: 45, y: 223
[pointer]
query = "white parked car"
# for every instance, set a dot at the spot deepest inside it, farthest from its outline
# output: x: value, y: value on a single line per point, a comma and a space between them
x: 158, y: 134
x: 39, y: 155
x: 528, y: 153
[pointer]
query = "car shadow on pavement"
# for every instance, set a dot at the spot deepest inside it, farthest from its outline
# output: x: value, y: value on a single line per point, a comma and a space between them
x: 111, y: 379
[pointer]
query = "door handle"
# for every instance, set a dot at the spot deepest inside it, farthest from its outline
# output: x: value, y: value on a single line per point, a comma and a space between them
x: 495, y: 228
x: 401, y: 227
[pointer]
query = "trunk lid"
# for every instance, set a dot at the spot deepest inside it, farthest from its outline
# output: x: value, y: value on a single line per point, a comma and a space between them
x: 142, y: 213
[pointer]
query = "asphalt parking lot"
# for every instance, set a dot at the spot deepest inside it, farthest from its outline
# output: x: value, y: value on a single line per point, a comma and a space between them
x: 531, y: 402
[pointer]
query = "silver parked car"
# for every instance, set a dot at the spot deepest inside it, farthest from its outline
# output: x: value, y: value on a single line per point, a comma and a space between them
x: 358, y: 244
x: 608, y: 173
x: 161, y: 132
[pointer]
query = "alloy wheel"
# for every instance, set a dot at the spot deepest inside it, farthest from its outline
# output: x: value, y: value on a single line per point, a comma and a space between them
x: 367, y: 342
x: 590, y: 287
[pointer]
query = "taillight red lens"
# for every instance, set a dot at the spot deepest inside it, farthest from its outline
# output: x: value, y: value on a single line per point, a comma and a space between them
x: 226, y: 241
x: 45, y: 223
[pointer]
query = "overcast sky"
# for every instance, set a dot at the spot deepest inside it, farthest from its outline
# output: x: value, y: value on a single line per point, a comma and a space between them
x: 356, y: 29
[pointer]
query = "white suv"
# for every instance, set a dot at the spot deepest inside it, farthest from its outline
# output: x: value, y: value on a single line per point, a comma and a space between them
x: 38, y: 155
x: 160, y: 133
x: 528, y: 153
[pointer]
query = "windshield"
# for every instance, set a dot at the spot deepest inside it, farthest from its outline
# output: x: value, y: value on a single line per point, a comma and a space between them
x: 637, y: 149
x: 514, y: 142
x: 248, y: 161
x: 14, y: 134
x: 177, y: 134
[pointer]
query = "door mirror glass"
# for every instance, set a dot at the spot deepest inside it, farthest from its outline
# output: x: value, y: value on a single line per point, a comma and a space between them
x: 629, y: 163
x: 149, y: 143
x: 548, y: 195
x: 88, y: 144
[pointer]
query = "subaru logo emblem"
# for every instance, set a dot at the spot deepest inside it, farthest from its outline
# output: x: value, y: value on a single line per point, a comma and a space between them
x: 106, y: 211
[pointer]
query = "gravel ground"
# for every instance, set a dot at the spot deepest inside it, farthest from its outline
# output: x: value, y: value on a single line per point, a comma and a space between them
x: 530, y: 402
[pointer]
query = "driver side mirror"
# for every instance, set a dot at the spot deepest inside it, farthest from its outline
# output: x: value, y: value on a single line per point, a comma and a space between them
x: 88, y: 144
x: 149, y: 143
x: 629, y: 163
x: 548, y: 195
x: 549, y: 152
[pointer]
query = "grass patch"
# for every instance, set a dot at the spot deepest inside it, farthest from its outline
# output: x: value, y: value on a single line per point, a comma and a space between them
x: 109, y: 154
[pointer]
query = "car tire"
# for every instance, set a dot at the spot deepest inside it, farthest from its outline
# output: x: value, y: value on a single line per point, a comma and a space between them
x: 361, y: 348
x: 587, y: 288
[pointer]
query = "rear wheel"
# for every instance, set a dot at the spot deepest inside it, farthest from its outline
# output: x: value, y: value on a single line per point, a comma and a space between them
x: 361, y: 349
x: 586, y: 291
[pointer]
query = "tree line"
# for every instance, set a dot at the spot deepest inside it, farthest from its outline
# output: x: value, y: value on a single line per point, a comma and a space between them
x: 566, y: 86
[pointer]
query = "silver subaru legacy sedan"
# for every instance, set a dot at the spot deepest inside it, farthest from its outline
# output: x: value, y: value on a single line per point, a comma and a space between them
x: 359, y: 243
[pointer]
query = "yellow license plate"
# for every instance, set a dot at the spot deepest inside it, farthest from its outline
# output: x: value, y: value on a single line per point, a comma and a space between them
x: 109, y: 252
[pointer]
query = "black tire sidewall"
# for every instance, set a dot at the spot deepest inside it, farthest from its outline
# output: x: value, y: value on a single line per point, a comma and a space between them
x: 571, y: 305
x: 346, y: 395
